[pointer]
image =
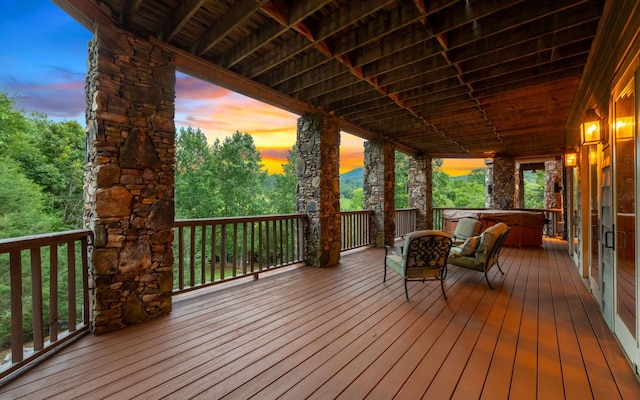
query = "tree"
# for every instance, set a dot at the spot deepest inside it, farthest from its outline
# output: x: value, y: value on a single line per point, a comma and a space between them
x: 237, y: 167
x: 194, y: 179
x: 441, y: 195
x: 22, y: 204
x: 283, y: 195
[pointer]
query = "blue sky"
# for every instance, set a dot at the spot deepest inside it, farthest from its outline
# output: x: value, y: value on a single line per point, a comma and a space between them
x: 43, y: 56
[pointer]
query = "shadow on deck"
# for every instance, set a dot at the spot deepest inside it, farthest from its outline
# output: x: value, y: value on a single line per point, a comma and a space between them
x: 339, y: 332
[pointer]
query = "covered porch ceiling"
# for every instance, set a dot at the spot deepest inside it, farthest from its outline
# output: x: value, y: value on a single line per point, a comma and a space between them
x: 443, y: 78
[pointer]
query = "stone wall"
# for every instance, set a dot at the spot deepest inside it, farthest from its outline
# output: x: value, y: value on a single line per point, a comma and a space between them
x: 553, y: 184
x: 129, y: 179
x: 420, y: 187
x: 501, y: 176
x: 379, y: 190
x: 318, y: 191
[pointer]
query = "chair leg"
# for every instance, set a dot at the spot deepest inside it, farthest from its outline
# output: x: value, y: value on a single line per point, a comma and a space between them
x: 384, y: 279
x: 487, y: 278
x: 406, y: 290
x: 499, y: 269
x: 442, y: 287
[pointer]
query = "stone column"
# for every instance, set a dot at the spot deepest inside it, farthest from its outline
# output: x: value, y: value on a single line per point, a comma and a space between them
x: 129, y: 179
x: 519, y: 173
x: 379, y: 190
x: 553, y: 184
x: 503, y: 175
x: 488, y: 183
x: 318, y: 171
x: 420, y: 184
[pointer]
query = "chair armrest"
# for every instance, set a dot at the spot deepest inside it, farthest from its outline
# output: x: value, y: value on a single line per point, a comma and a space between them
x: 389, y: 249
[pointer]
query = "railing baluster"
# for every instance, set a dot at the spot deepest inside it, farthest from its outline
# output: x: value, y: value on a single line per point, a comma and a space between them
x: 192, y: 256
x: 36, y: 299
x: 85, y: 279
x: 213, y: 253
x: 203, y: 253
x: 223, y: 250
x: 15, y: 267
x: 53, y: 292
x: 71, y: 282
x: 180, y: 258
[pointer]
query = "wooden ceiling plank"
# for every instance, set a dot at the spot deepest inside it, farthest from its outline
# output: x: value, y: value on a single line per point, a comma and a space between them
x: 526, y: 67
x: 129, y: 9
x: 531, y: 16
x: 493, y: 87
x: 185, y: 11
x: 268, y: 32
x: 240, y: 11
x: 463, y: 12
x: 530, y: 38
x: 337, y: 21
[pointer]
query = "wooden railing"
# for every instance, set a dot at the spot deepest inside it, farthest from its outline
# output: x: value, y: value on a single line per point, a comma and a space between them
x: 209, y: 251
x: 356, y: 229
x: 406, y: 220
x: 48, y: 299
x: 553, y: 227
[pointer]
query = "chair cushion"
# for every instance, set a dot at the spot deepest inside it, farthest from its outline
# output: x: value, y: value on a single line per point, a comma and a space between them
x: 469, y: 247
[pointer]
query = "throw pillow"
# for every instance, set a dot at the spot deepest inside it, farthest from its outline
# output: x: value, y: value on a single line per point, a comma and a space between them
x: 470, y: 246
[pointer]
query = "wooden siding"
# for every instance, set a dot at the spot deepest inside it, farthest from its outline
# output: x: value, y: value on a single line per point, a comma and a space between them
x: 339, y: 332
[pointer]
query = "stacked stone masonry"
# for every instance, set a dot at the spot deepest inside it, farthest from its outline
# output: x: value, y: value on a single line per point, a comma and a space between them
x: 379, y: 190
x: 129, y: 179
x: 420, y: 189
x: 318, y: 191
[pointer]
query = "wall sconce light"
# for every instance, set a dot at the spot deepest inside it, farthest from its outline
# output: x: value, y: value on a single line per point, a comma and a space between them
x: 591, y: 128
x: 570, y: 159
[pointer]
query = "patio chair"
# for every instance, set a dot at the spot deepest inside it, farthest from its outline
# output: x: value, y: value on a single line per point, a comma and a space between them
x: 466, y: 228
x: 424, y: 256
x: 487, y: 253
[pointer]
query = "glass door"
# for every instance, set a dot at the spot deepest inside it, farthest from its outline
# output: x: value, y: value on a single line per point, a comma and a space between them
x: 625, y: 220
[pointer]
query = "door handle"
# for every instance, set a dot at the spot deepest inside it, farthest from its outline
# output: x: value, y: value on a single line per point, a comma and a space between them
x: 609, y: 244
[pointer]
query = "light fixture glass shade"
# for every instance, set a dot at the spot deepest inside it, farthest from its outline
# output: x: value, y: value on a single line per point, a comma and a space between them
x: 624, y: 128
x: 570, y: 159
x: 591, y: 132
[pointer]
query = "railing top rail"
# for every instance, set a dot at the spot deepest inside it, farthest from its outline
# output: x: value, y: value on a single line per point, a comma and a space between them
x: 234, y: 220
x: 45, y: 239
x: 352, y: 212
x: 407, y: 209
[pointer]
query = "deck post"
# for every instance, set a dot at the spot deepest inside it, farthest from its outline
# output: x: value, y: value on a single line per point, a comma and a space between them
x: 420, y: 186
x: 379, y: 190
x: 129, y: 178
x: 317, y: 169
x: 501, y: 176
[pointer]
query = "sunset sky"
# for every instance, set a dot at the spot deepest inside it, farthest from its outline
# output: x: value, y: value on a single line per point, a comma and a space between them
x: 43, y: 57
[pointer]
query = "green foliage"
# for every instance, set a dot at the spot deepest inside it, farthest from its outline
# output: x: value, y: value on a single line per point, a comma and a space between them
x: 283, y: 193
x: 22, y: 204
x: 534, y: 187
x: 440, y: 192
x: 351, y: 181
x: 402, y: 177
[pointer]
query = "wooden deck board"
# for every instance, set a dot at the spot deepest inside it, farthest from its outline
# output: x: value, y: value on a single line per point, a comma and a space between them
x: 340, y: 332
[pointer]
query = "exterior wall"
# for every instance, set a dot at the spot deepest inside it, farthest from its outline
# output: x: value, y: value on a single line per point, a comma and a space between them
x: 553, y: 178
x: 502, y: 178
x: 129, y: 179
x: 317, y: 168
x: 420, y: 189
x: 379, y: 190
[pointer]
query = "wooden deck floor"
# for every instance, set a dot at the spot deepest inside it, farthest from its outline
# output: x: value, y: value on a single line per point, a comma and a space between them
x: 339, y: 332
